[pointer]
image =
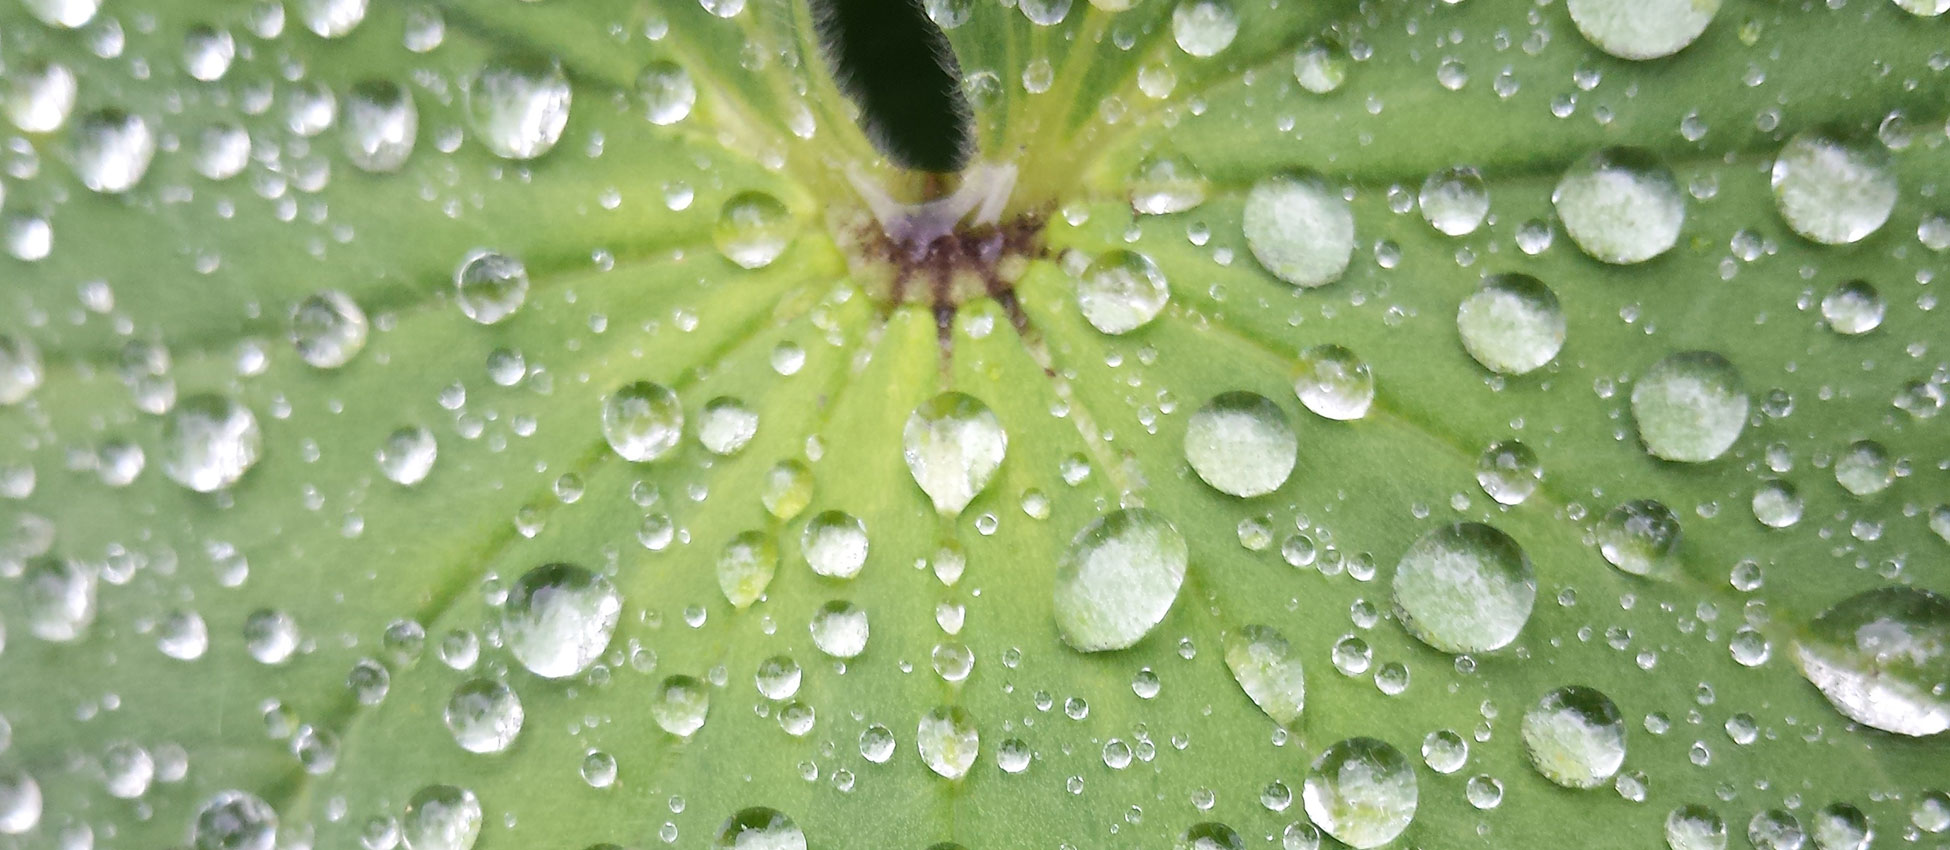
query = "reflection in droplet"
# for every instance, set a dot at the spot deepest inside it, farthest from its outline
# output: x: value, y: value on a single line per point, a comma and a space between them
x: 1575, y: 737
x: 1334, y: 383
x: 1361, y: 791
x: 753, y: 229
x: 643, y: 421
x: 558, y: 618
x: 518, y: 108
x: 1121, y: 291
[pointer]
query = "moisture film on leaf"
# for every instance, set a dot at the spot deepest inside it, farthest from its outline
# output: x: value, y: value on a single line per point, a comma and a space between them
x: 578, y: 424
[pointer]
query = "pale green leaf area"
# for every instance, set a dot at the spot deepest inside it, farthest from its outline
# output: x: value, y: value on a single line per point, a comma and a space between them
x: 145, y: 691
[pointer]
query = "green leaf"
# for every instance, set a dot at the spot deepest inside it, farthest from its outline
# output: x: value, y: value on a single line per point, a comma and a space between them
x: 599, y: 478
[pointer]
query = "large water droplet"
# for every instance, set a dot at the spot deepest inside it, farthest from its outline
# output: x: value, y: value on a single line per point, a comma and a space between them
x: 753, y: 229
x: 953, y: 444
x: 490, y: 286
x: 66, y: 14
x: 948, y: 741
x: 558, y: 618
x: 1118, y: 579
x: 112, y: 150
x: 667, y: 92
x: 1512, y: 324
x: 1269, y: 671
x: 441, y: 817
x: 408, y: 454
x: 20, y: 803
x: 38, y: 95
x: 1202, y: 28
x: 209, y: 442
x: 59, y: 596
x: 328, y: 329
x: 1465, y: 587
x: 1882, y: 657
x: 834, y: 544
x: 726, y: 425
x: 787, y: 490
x: 1121, y: 291
x: 1509, y: 472
x: 1690, y: 407
x: 759, y: 828
x: 1621, y: 205
x: 518, y: 109
x: 839, y: 629
x: 1361, y: 791
x: 1334, y: 382
x: 1241, y: 444
x: 331, y: 18
x: 1642, y: 29
x: 1834, y: 188
x: 1640, y: 537
x: 680, y: 705
x: 484, y: 715
x: 1299, y: 229
x: 746, y: 567
x: 1455, y: 200
x: 643, y: 421
x: 235, y: 820
x: 1575, y: 737
x: 21, y: 370
x: 380, y: 125
x: 1853, y: 308
x: 1841, y: 826
x: 1695, y: 827
x: 1166, y: 184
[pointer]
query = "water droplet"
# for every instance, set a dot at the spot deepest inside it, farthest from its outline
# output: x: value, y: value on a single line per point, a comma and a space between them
x: 1166, y: 184
x: 876, y: 744
x: 1202, y: 28
x: 1840, y: 826
x: 1777, y: 504
x: 948, y: 741
x: 643, y: 421
x: 1864, y: 468
x: 1455, y: 200
x: 1575, y: 737
x: 1361, y: 791
x: 839, y: 629
x: 490, y: 287
x: 207, y: 52
x: 112, y: 150
x: 1240, y: 444
x: 1509, y: 472
x: 1121, y: 291
x: 328, y: 329
x: 407, y: 455
x: 440, y: 817
x: 1334, y: 382
x: 726, y: 425
x: 753, y: 229
x: 1299, y: 229
x: 746, y: 567
x: 667, y: 91
x: 558, y: 618
x: 1465, y: 587
x: 680, y: 705
x: 1444, y: 751
x: 953, y: 444
x: 1690, y: 407
x: 1512, y: 324
x: 235, y: 820
x: 1852, y: 308
x: 1621, y: 205
x: 787, y: 490
x: 21, y: 370
x: 380, y: 125
x: 209, y: 442
x: 1776, y: 829
x: 270, y: 636
x: 760, y: 828
x: 331, y: 18
x: 1642, y: 29
x: 518, y: 108
x: 1269, y: 671
x: 835, y: 544
x: 1834, y: 188
x: 66, y: 14
x: 38, y: 95
x: 1320, y: 66
x: 1483, y: 791
x: 20, y: 803
x: 1695, y: 827
x: 1882, y: 657
x: 1118, y: 579
x: 1210, y: 836
x: 484, y: 715
x: 778, y: 677
x: 1639, y: 537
